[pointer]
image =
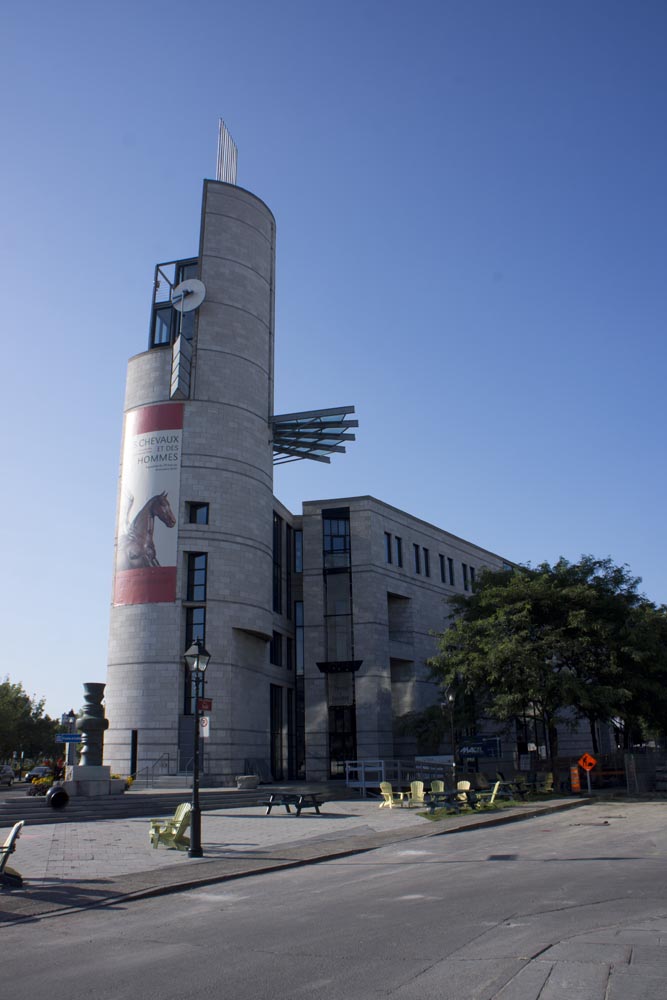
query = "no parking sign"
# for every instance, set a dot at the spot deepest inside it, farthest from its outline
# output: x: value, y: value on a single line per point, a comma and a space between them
x: 204, y: 727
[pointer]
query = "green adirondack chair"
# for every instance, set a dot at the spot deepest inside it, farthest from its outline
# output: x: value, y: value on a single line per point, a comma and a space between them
x: 171, y: 832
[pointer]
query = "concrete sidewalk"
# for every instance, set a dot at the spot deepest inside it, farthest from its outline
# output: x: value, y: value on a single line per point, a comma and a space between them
x: 73, y: 866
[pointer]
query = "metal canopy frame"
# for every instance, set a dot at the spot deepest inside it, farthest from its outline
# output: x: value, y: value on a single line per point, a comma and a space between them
x: 313, y: 434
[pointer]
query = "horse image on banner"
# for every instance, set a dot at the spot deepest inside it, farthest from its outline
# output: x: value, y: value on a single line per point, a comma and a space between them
x: 147, y: 545
x: 136, y: 548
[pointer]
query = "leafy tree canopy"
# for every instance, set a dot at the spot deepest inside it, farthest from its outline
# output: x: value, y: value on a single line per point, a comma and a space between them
x: 23, y: 724
x: 568, y: 637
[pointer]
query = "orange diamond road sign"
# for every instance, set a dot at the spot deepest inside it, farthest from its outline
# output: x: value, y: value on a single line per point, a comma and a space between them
x: 587, y: 762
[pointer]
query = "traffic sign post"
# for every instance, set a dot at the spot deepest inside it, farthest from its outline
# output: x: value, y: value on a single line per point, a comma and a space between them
x: 69, y: 738
x: 588, y: 762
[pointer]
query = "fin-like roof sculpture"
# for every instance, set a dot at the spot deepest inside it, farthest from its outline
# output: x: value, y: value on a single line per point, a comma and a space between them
x: 314, y: 434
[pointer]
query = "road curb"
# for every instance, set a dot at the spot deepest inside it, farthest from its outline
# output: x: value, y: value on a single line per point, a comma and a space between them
x: 16, y: 907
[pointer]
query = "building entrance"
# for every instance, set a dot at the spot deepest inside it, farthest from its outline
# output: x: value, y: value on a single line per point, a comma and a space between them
x: 342, y: 738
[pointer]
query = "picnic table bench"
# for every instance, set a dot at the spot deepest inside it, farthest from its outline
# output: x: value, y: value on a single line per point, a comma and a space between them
x: 300, y: 800
x: 447, y: 800
x: 8, y: 876
x: 512, y: 789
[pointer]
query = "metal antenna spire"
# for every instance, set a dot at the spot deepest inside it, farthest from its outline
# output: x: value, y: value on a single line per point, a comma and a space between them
x: 227, y: 155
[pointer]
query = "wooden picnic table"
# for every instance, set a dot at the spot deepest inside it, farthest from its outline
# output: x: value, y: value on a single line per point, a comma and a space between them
x: 300, y: 800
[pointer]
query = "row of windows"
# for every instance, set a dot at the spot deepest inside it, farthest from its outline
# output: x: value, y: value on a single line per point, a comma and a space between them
x: 393, y: 554
x: 281, y: 646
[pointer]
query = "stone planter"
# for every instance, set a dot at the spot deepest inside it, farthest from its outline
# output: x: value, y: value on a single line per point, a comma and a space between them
x: 247, y: 781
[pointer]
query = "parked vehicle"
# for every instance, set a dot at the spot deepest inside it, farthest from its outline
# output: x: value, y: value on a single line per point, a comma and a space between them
x: 7, y: 775
x: 39, y: 772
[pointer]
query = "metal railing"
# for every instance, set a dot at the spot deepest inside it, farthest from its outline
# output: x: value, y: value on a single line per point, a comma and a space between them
x: 146, y: 775
x: 366, y: 775
x: 186, y: 764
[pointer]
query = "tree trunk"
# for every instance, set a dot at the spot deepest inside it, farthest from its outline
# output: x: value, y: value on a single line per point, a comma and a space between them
x: 594, y: 736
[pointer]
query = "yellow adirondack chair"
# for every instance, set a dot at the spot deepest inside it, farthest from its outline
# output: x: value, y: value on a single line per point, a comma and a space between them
x: 416, y: 794
x: 462, y: 787
x: 545, y: 782
x: 9, y: 876
x: 488, y: 798
x: 390, y: 798
x: 171, y: 832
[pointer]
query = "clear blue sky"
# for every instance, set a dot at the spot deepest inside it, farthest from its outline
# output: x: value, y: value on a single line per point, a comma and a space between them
x: 471, y: 203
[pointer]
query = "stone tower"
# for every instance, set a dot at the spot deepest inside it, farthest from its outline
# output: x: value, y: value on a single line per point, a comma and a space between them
x: 194, y: 530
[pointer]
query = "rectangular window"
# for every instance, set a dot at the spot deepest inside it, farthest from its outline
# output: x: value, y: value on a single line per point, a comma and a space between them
x: 450, y: 570
x: 387, y: 547
x: 427, y: 563
x: 472, y: 576
x: 289, y: 553
x: 298, y: 551
x: 398, y: 548
x: 195, y: 625
x: 276, y: 649
x: 276, y: 732
x: 443, y: 577
x: 336, y: 537
x: 298, y: 636
x: 289, y: 652
x: 197, y: 513
x: 196, y: 587
x: 466, y: 583
x: 418, y: 565
x: 162, y: 320
x: 337, y: 594
x: 277, y: 563
x: 337, y: 584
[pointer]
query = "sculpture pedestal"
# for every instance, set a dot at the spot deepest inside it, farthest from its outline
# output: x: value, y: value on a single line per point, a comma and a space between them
x: 91, y: 781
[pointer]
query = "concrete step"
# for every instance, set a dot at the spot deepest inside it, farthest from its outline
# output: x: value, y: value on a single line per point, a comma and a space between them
x: 16, y: 805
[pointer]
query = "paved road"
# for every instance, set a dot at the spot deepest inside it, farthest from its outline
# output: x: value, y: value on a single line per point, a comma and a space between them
x: 567, y: 906
x: 79, y: 864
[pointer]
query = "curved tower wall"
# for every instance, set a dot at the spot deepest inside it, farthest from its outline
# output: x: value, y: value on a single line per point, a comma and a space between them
x: 226, y: 462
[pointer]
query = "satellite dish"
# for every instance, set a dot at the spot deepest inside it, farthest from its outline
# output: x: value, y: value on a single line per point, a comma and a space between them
x: 188, y: 295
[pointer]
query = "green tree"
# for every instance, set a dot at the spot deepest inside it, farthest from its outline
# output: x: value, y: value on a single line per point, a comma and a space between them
x: 23, y: 724
x: 553, y: 640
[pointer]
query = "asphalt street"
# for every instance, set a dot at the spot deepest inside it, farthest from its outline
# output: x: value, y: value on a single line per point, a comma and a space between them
x: 564, y: 905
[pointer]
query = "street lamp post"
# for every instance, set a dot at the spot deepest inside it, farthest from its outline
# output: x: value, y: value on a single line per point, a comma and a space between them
x: 449, y: 706
x: 70, y: 756
x: 196, y: 659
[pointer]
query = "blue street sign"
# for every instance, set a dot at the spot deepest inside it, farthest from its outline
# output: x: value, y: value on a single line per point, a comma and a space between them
x: 69, y: 738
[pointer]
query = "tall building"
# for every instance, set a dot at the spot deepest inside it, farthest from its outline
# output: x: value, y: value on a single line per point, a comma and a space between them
x: 319, y: 624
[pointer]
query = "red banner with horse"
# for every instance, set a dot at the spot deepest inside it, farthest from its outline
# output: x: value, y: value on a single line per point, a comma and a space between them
x: 147, y: 545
